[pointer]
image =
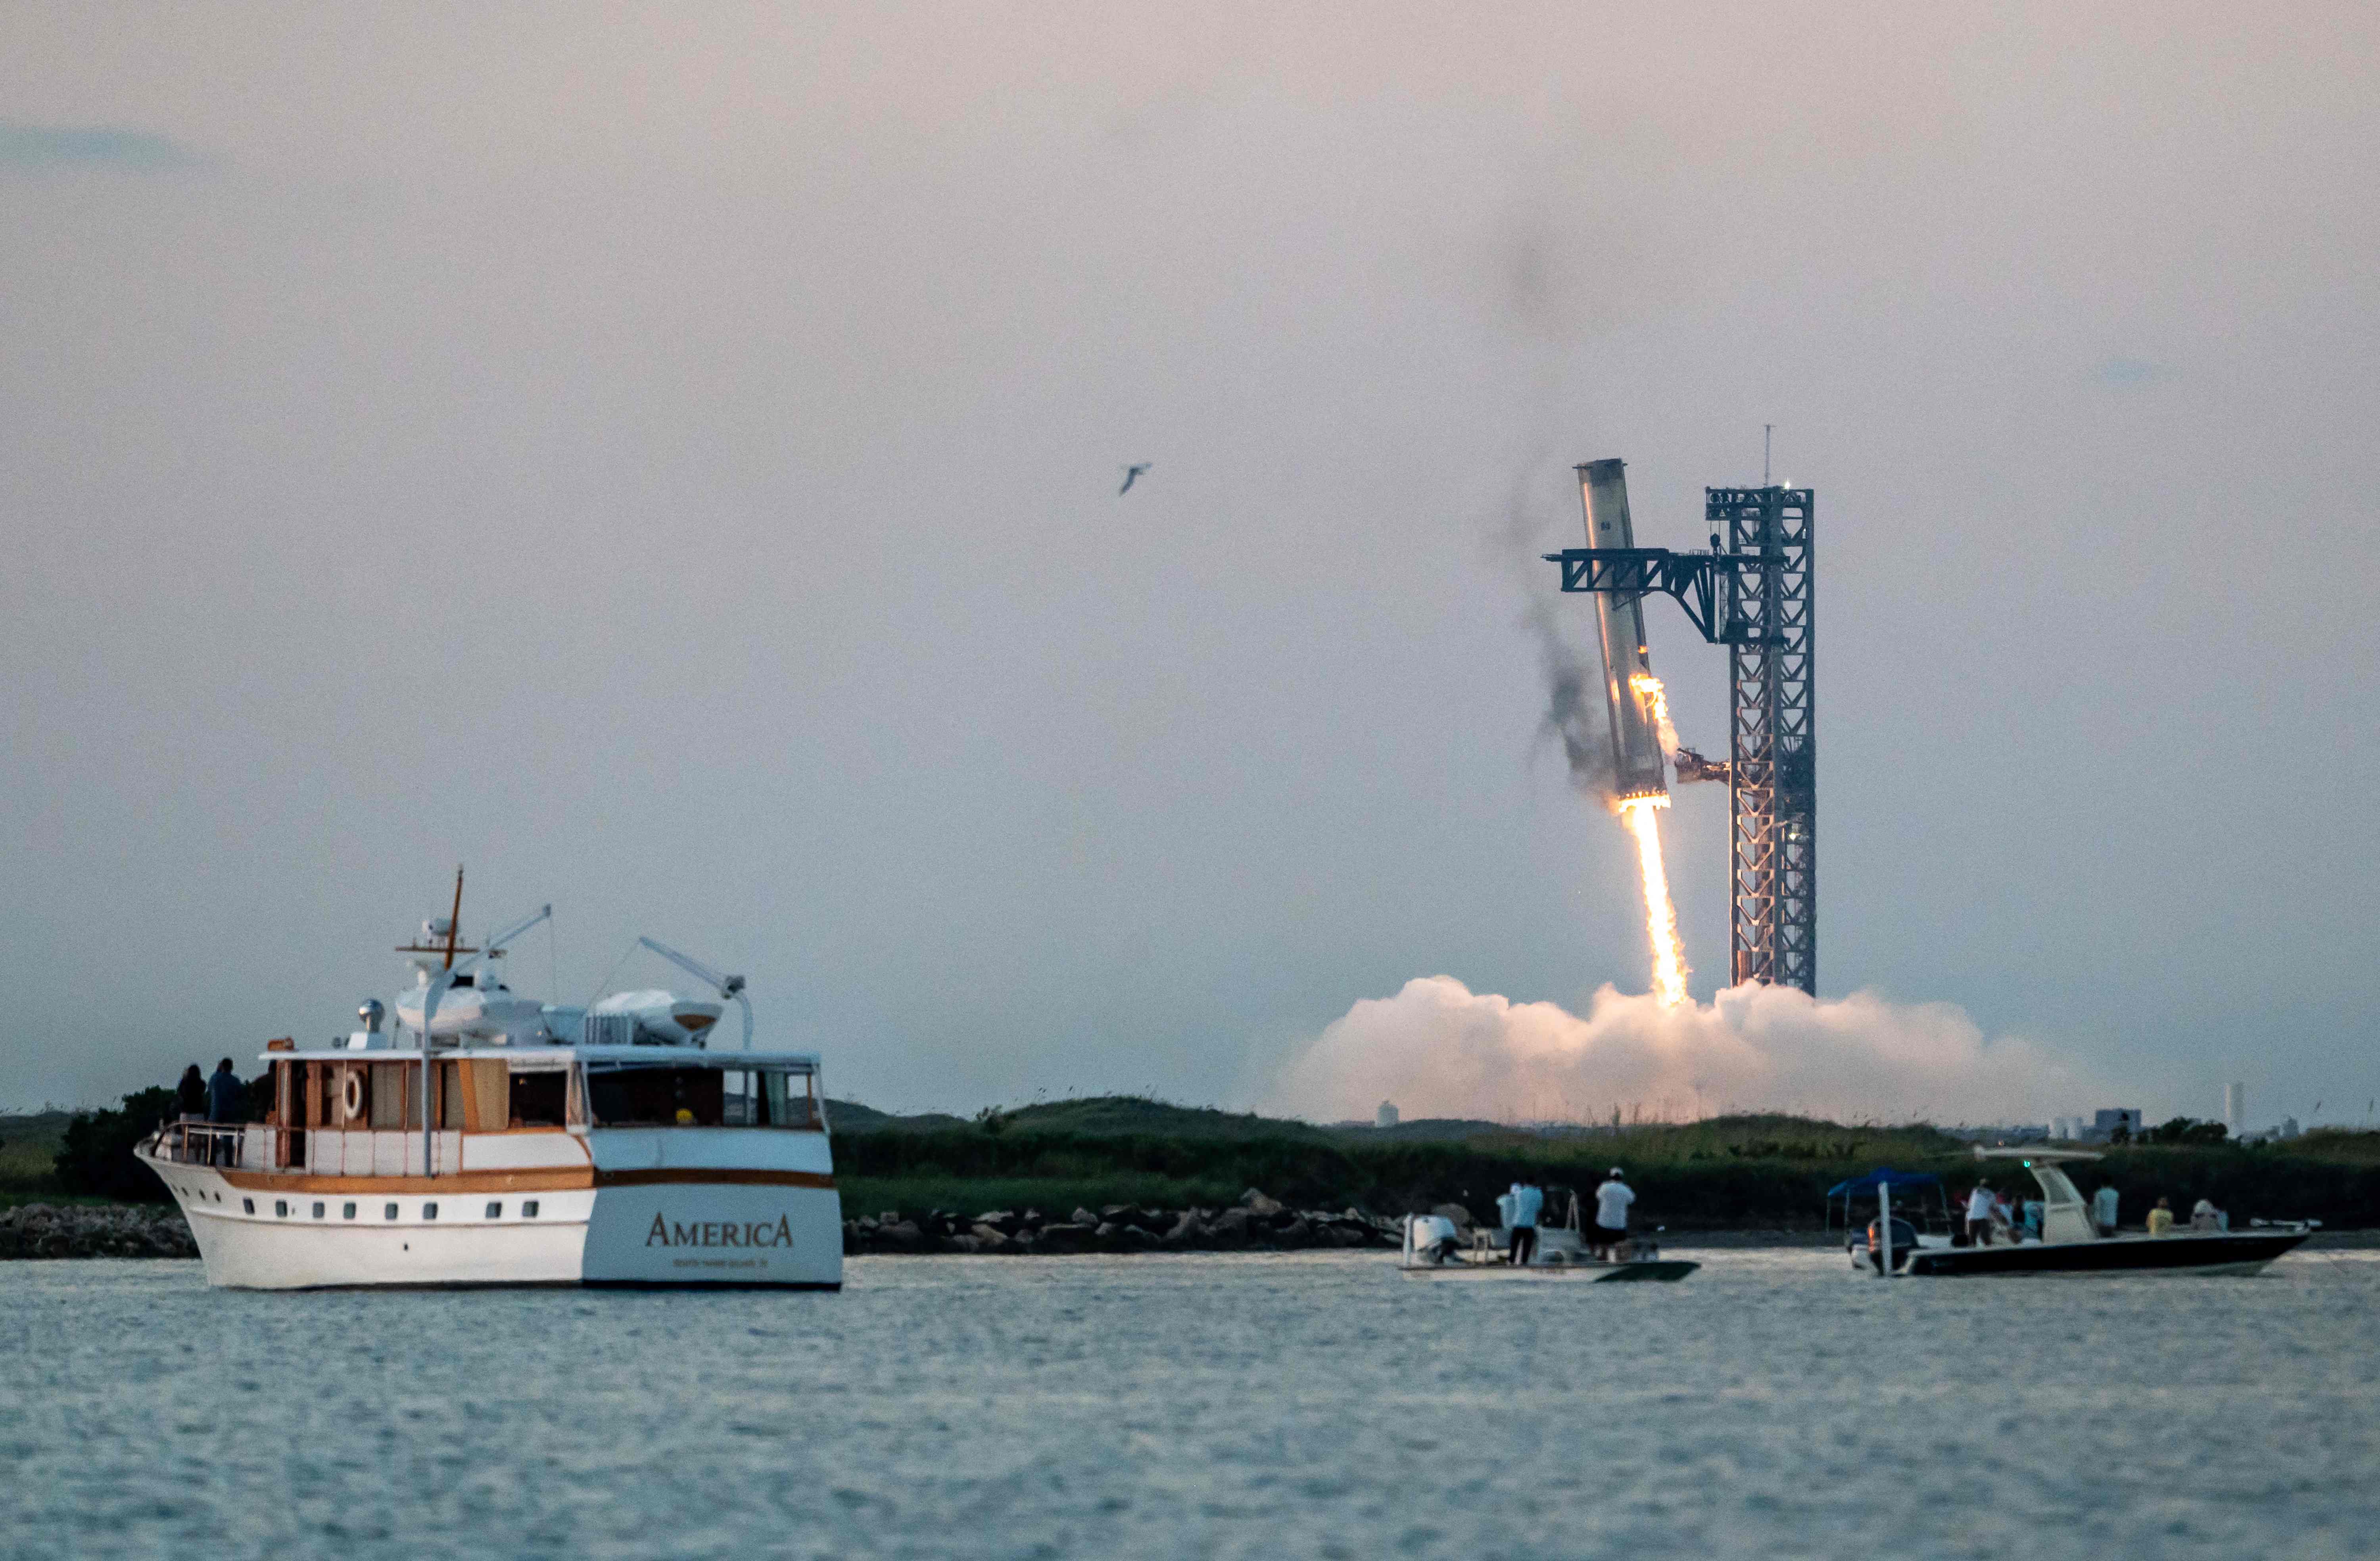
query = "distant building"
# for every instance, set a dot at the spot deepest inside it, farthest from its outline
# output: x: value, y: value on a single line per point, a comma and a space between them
x: 2104, y: 1123
x: 2235, y: 1108
x: 1386, y: 1116
x: 2063, y: 1129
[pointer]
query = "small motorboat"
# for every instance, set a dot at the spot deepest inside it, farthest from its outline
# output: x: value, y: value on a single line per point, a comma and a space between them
x: 2068, y: 1244
x: 1561, y: 1254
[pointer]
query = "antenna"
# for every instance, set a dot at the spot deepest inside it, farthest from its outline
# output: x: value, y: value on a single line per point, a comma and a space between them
x: 454, y: 922
x: 1767, y: 429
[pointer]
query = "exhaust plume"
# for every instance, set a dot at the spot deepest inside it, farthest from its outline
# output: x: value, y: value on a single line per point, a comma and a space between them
x: 1438, y: 1049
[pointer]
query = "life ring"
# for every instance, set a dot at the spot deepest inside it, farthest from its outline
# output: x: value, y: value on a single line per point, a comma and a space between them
x: 351, y: 1095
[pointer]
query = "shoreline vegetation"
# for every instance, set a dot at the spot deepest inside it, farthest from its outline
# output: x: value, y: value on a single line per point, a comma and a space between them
x: 1141, y: 1164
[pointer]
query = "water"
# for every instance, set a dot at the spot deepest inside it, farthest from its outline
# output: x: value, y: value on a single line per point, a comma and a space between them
x: 1307, y: 1404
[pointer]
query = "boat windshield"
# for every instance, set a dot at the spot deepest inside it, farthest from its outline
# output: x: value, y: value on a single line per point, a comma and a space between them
x: 640, y: 1094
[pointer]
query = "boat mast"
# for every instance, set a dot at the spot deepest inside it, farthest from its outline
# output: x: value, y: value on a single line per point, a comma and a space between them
x: 429, y: 1012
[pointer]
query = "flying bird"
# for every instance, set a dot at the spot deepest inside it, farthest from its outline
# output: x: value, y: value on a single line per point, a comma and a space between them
x: 1130, y: 472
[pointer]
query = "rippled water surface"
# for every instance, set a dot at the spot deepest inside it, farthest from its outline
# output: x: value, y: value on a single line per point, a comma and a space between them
x: 1274, y: 1406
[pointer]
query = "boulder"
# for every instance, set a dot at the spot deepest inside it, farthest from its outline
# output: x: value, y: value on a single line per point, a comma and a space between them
x: 989, y: 1237
x: 1339, y: 1235
x: 1084, y: 1216
x: 1229, y: 1230
x: 1296, y: 1234
x: 1072, y: 1236
x: 1256, y: 1203
x: 1001, y: 1220
x: 1456, y: 1212
x: 901, y: 1236
x: 1187, y: 1234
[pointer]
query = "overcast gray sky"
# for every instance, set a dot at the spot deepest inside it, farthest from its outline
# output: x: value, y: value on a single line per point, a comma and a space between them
x: 668, y: 462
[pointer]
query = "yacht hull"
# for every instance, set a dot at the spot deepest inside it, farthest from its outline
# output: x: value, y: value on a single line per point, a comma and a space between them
x: 303, y: 1233
x: 2246, y: 1252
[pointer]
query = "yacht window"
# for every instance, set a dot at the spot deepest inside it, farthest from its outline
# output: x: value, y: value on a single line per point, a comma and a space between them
x: 542, y: 1099
x: 248, y: 1205
x: 318, y: 1211
x: 791, y: 1098
x: 347, y: 1211
x: 495, y: 1211
x: 657, y: 1097
x: 528, y: 1209
x: 430, y: 1211
x: 281, y: 1208
x: 392, y: 1212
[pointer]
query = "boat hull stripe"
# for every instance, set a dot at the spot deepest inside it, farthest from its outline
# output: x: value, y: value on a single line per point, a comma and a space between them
x: 721, y: 1176
x: 559, y: 1179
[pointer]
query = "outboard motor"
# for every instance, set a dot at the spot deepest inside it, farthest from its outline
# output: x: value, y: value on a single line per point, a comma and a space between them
x: 1904, y: 1241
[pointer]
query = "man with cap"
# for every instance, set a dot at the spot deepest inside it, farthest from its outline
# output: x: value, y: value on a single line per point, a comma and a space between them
x: 1612, y: 1202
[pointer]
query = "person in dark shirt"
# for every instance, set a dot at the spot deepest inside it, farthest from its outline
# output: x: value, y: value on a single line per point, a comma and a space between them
x: 190, y: 1095
x: 227, y: 1102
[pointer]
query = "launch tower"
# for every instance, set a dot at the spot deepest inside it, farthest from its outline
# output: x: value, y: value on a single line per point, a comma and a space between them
x: 1753, y: 594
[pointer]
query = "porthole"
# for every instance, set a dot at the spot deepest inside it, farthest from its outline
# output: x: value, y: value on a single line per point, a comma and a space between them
x: 248, y: 1205
x: 281, y: 1208
x: 347, y: 1211
x: 392, y: 1210
x: 495, y: 1211
x: 318, y: 1211
x: 528, y: 1209
x: 430, y: 1211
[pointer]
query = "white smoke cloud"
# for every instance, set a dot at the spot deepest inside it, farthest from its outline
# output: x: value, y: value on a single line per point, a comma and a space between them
x: 1438, y: 1049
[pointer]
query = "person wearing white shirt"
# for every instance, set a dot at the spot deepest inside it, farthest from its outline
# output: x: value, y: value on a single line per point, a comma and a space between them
x: 1980, y: 1204
x: 1612, y: 1201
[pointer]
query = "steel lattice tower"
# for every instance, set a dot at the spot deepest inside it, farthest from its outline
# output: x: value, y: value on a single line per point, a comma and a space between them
x: 1772, y: 734
x: 1753, y: 594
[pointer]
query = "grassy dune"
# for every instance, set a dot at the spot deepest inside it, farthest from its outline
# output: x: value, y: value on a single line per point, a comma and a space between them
x: 1728, y: 1172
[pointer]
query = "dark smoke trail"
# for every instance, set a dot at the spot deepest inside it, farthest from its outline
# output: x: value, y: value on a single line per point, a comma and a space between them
x: 1574, y: 707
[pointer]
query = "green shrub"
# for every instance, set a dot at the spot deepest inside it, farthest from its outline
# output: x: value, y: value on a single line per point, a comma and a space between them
x: 96, y: 1156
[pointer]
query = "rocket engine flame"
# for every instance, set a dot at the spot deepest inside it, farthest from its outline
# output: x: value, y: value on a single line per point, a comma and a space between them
x: 1649, y: 688
x: 1660, y: 915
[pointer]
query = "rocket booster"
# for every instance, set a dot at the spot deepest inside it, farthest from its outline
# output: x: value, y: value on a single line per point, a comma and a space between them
x: 1637, y: 756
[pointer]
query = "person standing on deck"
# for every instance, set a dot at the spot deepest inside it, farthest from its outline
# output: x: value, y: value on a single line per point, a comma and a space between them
x: 1612, y: 1201
x: 227, y: 1103
x: 1528, y: 1199
x: 2103, y: 1208
x: 190, y: 1095
x: 2161, y: 1218
x: 1980, y: 1204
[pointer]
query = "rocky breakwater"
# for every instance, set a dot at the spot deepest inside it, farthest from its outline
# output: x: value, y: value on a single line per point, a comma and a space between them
x: 1256, y: 1224
x: 101, y: 1230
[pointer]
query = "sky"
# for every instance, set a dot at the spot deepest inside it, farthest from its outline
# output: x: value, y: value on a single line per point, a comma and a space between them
x: 668, y: 463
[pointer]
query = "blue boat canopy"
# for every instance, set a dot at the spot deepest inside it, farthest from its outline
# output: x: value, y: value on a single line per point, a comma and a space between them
x: 1884, y: 1176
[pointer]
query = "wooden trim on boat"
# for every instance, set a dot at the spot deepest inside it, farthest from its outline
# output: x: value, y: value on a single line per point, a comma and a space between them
x: 534, y: 1179
x: 721, y: 1175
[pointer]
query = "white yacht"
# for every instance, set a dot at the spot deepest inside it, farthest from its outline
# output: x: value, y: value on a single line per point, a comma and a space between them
x: 491, y: 1140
